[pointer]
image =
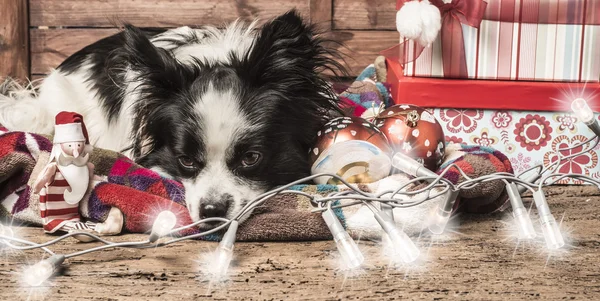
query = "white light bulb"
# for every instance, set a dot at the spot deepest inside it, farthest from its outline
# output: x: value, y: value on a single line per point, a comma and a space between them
x: 524, y: 224
x: 438, y: 220
x: 550, y: 229
x: 222, y: 259
x: 408, y: 165
x: 224, y: 253
x: 38, y: 273
x: 348, y: 249
x: 5, y: 231
x: 164, y: 223
x: 583, y: 111
x: 552, y: 236
x: 403, y: 246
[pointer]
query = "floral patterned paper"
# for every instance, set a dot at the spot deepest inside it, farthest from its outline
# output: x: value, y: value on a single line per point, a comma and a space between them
x: 527, y: 138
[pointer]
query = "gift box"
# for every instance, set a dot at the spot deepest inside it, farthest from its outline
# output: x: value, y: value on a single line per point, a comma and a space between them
x: 524, y: 40
x: 503, y: 74
x: 528, y: 121
x: 527, y: 138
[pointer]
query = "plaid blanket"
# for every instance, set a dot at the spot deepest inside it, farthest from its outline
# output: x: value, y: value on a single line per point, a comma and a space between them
x: 141, y: 193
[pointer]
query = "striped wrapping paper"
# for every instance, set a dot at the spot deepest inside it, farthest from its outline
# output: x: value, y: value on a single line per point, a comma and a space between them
x: 539, y: 44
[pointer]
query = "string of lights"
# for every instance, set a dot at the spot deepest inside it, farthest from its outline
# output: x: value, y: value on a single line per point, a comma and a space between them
x: 381, y: 204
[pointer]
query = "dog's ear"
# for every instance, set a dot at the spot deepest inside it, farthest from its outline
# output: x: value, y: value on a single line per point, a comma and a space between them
x: 158, y: 77
x: 286, y: 46
x: 153, y: 65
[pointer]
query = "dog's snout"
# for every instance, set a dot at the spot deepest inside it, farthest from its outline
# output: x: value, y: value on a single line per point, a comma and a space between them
x: 216, y: 207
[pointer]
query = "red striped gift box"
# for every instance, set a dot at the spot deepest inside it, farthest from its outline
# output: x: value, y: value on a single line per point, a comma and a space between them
x: 535, y: 51
x: 540, y: 40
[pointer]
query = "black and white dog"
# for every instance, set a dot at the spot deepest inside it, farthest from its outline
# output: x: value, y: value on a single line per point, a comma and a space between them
x: 230, y: 112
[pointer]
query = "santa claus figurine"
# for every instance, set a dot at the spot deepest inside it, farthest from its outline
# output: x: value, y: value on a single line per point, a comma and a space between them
x: 64, y: 182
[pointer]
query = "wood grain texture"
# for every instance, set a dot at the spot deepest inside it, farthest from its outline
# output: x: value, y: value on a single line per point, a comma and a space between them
x: 480, y: 263
x: 49, y: 47
x: 364, y: 14
x: 360, y: 48
x: 173, y: 13
x: 14, y: 39
x: 321, y: 13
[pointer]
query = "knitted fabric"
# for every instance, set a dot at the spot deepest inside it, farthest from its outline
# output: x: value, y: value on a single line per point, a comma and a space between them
x: 141, y: 193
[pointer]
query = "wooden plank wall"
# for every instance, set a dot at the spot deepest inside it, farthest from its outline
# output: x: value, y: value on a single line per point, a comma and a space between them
x: 14, y: 39
x: 60, y: 27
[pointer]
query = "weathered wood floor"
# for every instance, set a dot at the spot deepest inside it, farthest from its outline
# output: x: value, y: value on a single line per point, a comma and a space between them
x: 479, y: 263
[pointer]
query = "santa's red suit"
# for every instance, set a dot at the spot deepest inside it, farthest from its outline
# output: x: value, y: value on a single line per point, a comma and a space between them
x: 56, y: 212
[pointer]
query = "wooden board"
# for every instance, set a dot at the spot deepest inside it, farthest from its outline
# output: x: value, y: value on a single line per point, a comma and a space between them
x: 364, y: 14
x: 14, y: 39
x: 360, y: 48
x: 321, y: 13
x: 49, y: 47
x: 478, y: 262
x: 107, y: 13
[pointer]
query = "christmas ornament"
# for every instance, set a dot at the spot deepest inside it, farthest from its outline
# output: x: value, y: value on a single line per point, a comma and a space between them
x: 66, y: 178
x: 352, y: 148
x: 415, y: 132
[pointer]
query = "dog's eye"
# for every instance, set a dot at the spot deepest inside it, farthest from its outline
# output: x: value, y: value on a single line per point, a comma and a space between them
x: 187, y: 162
x: 250, y: 159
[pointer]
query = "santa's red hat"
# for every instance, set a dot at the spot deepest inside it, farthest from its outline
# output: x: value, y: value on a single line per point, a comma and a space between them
x: 69, y: 127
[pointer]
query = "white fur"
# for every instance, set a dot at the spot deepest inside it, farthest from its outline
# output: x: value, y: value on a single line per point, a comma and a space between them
x: 216, y: 44
x: 408, y: 20
x: 222, y: 124
x: 420, y: 21
x: 431, y: 21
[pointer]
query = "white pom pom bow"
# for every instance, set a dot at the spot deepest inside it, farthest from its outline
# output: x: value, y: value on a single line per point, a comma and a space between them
x: 420, y: 21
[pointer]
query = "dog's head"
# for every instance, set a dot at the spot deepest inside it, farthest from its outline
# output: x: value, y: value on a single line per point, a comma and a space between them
x: 231, y: 125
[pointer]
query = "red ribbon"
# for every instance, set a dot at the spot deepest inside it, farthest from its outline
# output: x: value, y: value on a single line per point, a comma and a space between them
x: 468, y: 12
x: 471, y: 12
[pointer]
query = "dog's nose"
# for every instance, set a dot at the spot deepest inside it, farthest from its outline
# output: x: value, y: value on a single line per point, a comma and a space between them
x: 216, y: 207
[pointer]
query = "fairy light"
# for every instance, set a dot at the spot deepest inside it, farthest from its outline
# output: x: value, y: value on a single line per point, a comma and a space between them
x: 410, y: 166
x: 351, y: 255
x: 441, y: 215
x: 403, y: 246
x: 581, y: 108
x: 524, y: 224
x: 224, y: 252
x: 5, y: 231
x: 583, y: 111
x: 38, y: 273
x: 163, y: 224
x: 439, y: 218
x: 550, y: 230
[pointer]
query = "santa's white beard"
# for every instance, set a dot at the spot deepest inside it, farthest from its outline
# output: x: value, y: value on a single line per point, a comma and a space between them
x: 64, y: 159
x: 78, y: 177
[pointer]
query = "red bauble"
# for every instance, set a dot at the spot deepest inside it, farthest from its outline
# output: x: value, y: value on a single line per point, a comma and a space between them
x: 414, y: 131
x: 352, y: 148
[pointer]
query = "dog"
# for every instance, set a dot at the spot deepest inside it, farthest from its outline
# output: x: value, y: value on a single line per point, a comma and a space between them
x: 231, y: 112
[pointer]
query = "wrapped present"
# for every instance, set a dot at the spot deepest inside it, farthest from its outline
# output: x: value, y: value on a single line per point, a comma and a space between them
x: 523, y: 40
x: 530, y: 129
x: 435, y: 92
